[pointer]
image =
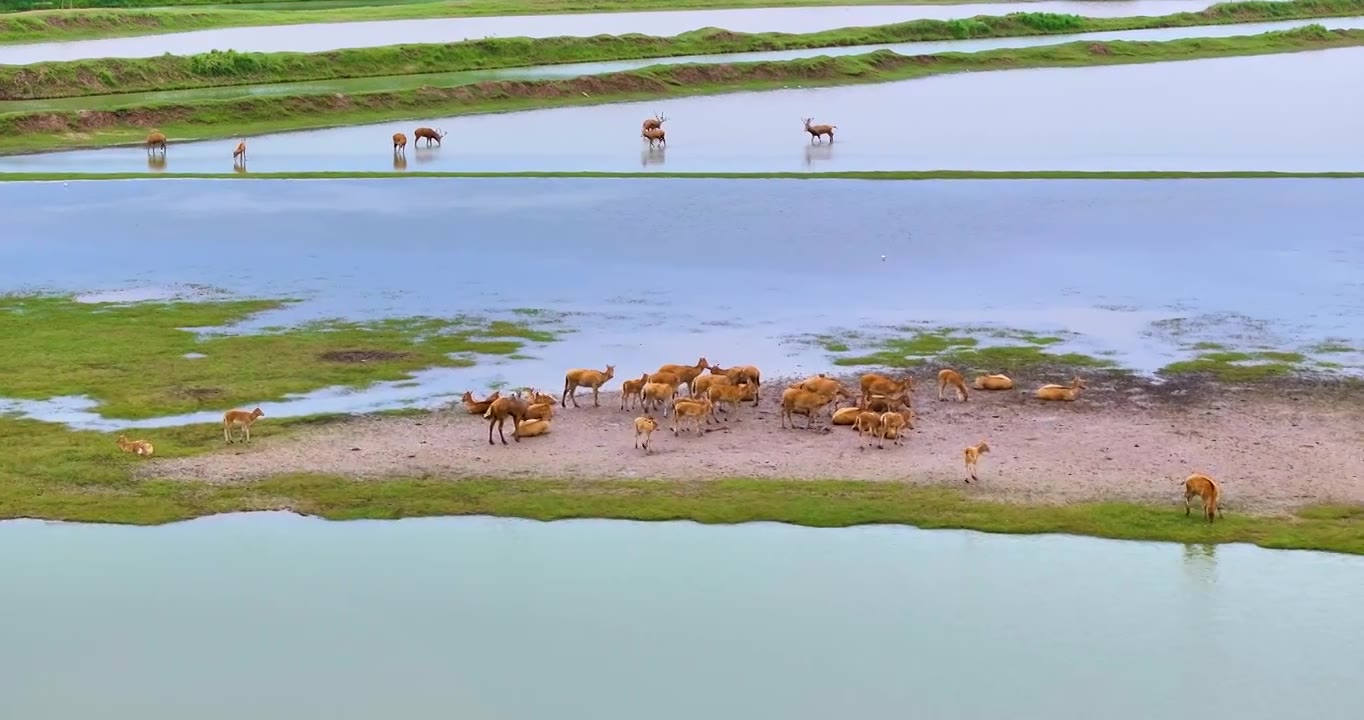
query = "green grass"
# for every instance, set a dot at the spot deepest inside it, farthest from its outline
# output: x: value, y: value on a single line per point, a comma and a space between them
x: 1238, y: 366
x: 958, y: 347
x: 115, y: 82
x: 21, y: 132
x: 58, y: 25
x: 111, y: 497
x: 130, y: 357
x: 893, y: 175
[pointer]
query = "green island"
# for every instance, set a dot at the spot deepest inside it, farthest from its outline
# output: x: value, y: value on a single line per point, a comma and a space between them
x: 157, y: 358
x: 107, y: 83
x: 28, y: 21
x: 36, y: 131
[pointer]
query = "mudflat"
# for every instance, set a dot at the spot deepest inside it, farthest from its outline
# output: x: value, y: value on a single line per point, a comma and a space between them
x: 1273, y: 446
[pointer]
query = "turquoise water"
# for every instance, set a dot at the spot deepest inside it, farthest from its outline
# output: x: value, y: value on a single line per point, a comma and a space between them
x: 275, y: 616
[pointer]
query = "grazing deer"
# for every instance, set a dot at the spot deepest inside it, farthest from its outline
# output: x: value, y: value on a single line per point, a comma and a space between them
x: 655, y: 135
x: 239, y: 153
x: 429, y: 134
x: 972, y: 455
x: 498, y: 412
x: 817, y: 130
x: 583, y: 377
x: 399, y: 143
x: 947, y: 377
x: 156, y: 139
x: 1205, y: 488
x: 141, y: 448
x: 645, y: 425
x: 240, y: 417
x: 655, y: 122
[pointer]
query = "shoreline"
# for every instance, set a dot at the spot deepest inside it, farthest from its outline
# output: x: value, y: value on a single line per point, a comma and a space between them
x: 41, y: 131
x: 875, y: 175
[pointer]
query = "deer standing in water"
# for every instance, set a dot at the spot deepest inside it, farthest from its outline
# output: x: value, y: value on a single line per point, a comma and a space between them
x: 654, y: 122
x: 817, y: 130
x: 429, y: 134
x: 156, y: 139
x: 655, y: 135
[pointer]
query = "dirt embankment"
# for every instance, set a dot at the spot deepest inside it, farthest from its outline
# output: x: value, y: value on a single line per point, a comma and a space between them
x: 1123, y: 439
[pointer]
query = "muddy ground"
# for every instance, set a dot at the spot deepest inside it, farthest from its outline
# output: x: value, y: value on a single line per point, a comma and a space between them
x: 1273, y: 447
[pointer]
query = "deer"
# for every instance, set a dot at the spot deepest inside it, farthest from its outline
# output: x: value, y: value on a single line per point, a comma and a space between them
x: 893, y: 426
x: 240, y: 152
x: 1205, y: 488
x: 429, y: 134
x: 687, y: 374
x: 631, y: 392
x: 498, y: 412
x: 795, y: 401
x: 583, y: 377
x: 156, y: 139
x: 645, y: 425
x: 694, y: 411
x: 1062, y: 392
x: 876, y: 384
x: 994, y: 382
x: 867, y: 424
x: 478, y: 407
x: 817, y: 130
x: 947, y: 377
x: 654, y: 122
x: 141, y: 448
x: 972, y: 453
x: 240, y: 417
x: 399, y: 143
x: 655, y: 135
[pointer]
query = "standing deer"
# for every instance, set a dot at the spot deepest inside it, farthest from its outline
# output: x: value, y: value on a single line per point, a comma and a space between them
x: 429, y: 134
x: 655, y: 135
x: 156, y: 139
x: 239, y: 153
x: 817, y: 130
x: 399, y: 143
x: 655, y: 122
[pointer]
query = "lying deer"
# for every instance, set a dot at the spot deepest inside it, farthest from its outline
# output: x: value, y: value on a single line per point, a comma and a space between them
x: 1062, y: 392
x: 994, y: 382
x: 655, y: 122
x: 240, y: 417
x: 817, y: 130
x: 1204, y: 488
x: 972, y: 455
x: 141, y: 448
x: 429, y: 134
x: 399, y: 143
x: 476, y: 406
x: 655, y: 135
x: 156, y: 139
x: 240, y: 152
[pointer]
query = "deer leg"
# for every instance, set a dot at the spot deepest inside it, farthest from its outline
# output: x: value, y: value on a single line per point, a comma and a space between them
x: 595, y: 390
x: 246, y: 430
x: 500, y: 422
x: 1186, y: 504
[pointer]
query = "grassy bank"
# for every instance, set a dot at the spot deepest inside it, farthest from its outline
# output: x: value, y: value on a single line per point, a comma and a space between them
x: 59, y: 25
x: 42, y: 131
x: 132, y: 358
x: 812, y: 503
x: 847, y: 175
x: 230, y: 68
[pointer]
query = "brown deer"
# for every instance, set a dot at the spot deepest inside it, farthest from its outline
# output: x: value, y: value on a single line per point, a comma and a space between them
x: 655, y: 122
x: 399, y: 143
x: 817, y: 130
x: 655, y: 135
x: 476, y: 406
x: 971, y: 454
x: 645, y: 425
x: 156, y: 139
x: 240, y: 417
x: 239, y: 153
x: 429, y: 134
x: 584, y: 377
x: 141, y: 448
x: 949, y: 378
x: 1205, y: 488
x: 498, y: 412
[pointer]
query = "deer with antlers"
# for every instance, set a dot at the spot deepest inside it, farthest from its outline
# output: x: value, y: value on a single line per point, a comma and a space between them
x: 655, y: 122
x: 428, y: 133
x: 817, y: 130
x: 655, y: 135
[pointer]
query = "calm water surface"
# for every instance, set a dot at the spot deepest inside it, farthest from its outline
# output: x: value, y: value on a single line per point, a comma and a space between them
x: 274, y: 616
x: 332, y: 36
x: 1109, y: 260
x: 580, y: 69
x: 1200, y: 115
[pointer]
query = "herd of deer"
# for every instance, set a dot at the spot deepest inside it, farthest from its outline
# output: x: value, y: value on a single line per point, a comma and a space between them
x: 651, y: 130
x: 881, y: 410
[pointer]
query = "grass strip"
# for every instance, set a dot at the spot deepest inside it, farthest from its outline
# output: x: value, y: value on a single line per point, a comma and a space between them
x: 77, y: 24
x: 26, y: 132
x: 843, y: 175
x: 1332, y: 528
x: 230, y: 68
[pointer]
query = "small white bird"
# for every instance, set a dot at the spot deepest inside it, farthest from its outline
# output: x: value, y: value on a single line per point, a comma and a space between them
x: 883, y: 258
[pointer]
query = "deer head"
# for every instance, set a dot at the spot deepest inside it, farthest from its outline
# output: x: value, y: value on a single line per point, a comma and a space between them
x: 806, y: 121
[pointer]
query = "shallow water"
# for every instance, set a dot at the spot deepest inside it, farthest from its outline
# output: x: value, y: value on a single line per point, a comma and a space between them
x: 570, y: 70
x: 277, y: 616
x: 332, y: 36
x: 774, y: 260
x: 1198, y: 115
